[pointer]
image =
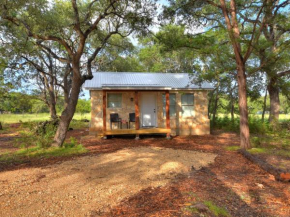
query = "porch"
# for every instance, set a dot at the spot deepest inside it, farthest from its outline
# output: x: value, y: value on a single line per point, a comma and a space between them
x: 139, y: 128
x: 137, y: 132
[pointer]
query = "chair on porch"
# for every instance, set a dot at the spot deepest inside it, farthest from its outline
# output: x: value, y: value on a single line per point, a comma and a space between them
x: 114, y: 118
x: 131, y: 118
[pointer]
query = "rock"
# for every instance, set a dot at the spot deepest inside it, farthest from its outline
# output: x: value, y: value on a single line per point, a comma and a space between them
x: 200, y: 207
x: 260, y: 185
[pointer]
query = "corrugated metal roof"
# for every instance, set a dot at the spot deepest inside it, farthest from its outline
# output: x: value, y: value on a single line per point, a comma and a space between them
x: 143, y: 80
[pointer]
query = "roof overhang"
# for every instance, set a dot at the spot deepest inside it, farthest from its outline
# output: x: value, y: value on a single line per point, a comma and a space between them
x: 147, y: 88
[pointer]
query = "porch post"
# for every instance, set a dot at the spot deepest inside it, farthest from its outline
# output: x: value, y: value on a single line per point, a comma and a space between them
x: 104, y: 113
x: 137, y: 121
x: 167, y: 113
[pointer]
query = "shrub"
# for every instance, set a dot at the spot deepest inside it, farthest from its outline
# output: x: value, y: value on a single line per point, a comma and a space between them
x: 226, y: 124
x: 25, y: 140
x: 73, y: 142
x: 33, y: 134
x: 256, y: 126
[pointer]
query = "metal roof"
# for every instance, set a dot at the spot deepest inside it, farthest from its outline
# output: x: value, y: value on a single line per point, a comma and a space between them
x: 143, y: 80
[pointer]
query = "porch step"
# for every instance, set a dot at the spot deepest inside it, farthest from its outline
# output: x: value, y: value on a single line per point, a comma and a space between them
x: 140, y: 131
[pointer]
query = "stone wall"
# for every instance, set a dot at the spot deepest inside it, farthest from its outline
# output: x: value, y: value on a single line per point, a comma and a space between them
x: 199, y: 124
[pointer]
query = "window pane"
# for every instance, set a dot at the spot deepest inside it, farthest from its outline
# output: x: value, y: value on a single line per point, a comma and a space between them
x: 172, y: 111
x: 172, y: 99
x: 187, y: 99
x: 114, y: 100
x: 187, y: 111
x: 184, y: 99
x: 172, y: 104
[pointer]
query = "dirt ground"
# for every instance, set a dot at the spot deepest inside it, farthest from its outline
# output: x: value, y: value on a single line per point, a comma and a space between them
x: 149, y: 177
x: 93, y: 183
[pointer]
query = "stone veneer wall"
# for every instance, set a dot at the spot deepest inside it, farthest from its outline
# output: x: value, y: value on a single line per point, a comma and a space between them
x: 199, y: 124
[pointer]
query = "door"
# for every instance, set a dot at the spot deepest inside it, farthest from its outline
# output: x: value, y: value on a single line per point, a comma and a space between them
x: 148, y: 110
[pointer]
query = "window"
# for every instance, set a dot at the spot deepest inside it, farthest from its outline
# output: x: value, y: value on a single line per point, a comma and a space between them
x: 114, y: 100
x: 187, y: 104
x: 172, y: 105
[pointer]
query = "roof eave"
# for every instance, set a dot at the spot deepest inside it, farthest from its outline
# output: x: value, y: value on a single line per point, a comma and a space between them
x: 142, y: 88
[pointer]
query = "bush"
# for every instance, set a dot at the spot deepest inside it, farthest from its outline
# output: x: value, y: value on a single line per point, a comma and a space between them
x: 25, y: 140
x: 39, y: 134
x: 256, y: 126
x: 226, y: 124
x: 73, y: 142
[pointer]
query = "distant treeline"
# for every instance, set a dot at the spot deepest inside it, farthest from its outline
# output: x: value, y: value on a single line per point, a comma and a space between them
x: 16, y: 102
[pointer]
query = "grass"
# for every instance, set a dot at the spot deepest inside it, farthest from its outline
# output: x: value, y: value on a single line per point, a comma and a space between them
x: 281, y: 116
x: 232, y: 148
x: 36, y: 152
x: 216, y: 210
x: 17, y: 118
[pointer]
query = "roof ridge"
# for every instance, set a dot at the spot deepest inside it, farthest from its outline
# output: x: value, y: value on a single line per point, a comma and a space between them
x: 148, y: 72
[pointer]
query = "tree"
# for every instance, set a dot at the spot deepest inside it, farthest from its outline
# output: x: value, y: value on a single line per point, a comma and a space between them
x: 71, y: 25
x: 273, y: 50
x: 227, y: 15
x: 119, y: 55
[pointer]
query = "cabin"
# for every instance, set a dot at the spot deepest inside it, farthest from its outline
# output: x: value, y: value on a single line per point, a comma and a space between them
x: 126, y: 103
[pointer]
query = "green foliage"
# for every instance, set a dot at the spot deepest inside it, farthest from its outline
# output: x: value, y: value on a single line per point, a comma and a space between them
x: 256, y: 125
x: 17, y: 102
x: 83, y: 106
x: 25, y: 140
x: 216, y: 210
x: 226, y: 124
x: 232, y: 148
x: 119, y: 56
x: 32, y: 145
x: 161, y: 53
x: 78, y: 124
x: 29, y: 137
x: 37, y: 152
x: 44, y: 139
x: 25, y: 118
x: 72, y: 143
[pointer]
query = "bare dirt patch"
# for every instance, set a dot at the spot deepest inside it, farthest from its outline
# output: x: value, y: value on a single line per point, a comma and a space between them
x: 90, y: 185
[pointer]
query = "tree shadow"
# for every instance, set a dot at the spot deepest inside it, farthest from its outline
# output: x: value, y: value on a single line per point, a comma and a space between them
x: 177, y: 196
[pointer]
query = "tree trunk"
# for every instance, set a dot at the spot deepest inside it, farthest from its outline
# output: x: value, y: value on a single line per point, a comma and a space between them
x: 215, y: 107
x: 274, y: 99
x: 52, y: 111
x: 209, y: 104
x: 264, y: 106
x: 232, y: 111
x: 232, y: 106
x: 1, y: 128
x: 234, y: 34
x: 244, y: 125
x: 69, y: 110
x: 52, y: 105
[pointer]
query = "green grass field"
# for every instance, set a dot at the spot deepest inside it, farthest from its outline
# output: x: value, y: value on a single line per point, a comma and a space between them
x: 16, y: 118
x: 281, y: 116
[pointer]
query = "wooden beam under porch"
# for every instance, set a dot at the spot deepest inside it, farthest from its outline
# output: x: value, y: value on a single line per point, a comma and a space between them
x: 137, y: 132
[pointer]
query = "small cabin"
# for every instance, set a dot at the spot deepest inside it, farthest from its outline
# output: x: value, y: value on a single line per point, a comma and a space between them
x: 148, y: 103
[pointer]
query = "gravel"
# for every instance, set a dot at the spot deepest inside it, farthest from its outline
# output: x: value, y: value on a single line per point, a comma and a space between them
x: 93, y: 184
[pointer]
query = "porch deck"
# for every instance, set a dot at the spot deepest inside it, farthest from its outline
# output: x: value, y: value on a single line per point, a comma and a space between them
x: 137, y: 132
